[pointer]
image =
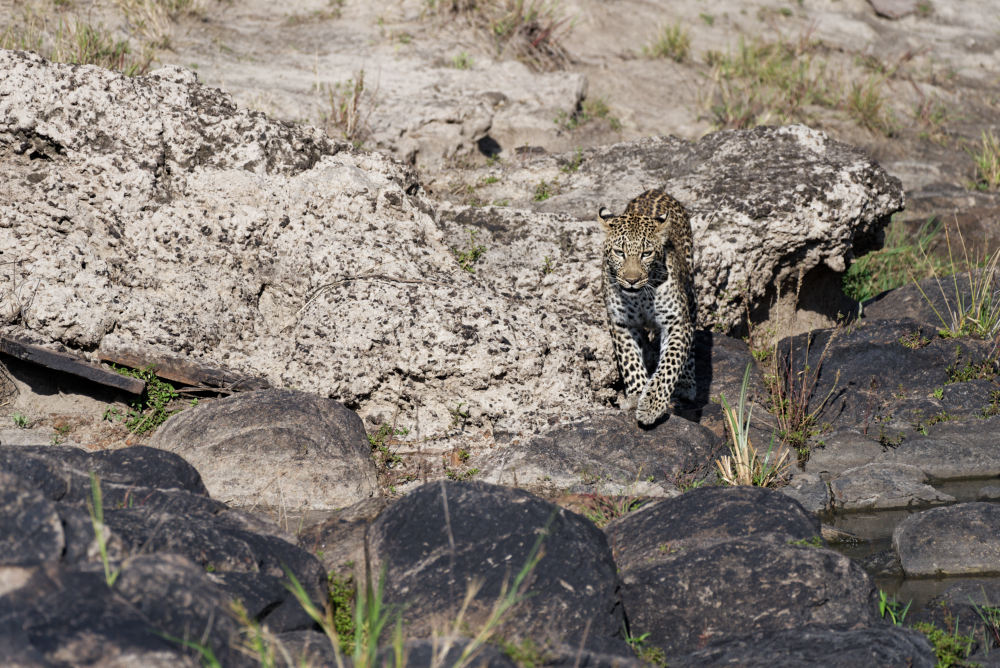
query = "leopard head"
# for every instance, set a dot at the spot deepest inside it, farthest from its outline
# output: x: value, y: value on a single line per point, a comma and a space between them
x: 634, y: 246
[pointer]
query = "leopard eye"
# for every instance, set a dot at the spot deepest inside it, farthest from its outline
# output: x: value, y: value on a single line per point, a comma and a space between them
x: 618, y: 251
x: 647, y: 254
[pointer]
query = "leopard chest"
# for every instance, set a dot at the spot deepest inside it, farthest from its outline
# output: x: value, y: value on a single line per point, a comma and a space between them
x: 649, y: 307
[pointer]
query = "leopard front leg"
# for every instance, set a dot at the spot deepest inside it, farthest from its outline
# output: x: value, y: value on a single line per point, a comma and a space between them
x: 675, y: 351
x: 628, y: 354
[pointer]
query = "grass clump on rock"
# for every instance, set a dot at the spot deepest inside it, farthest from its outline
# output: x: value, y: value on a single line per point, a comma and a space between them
x: 673, y: 42
x: 744, y: 465
x: 146, y: 415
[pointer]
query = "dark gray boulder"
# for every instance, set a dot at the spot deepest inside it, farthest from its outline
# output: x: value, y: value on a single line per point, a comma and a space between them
x: 920, y: 304
x: 279, y: 448
x: 844, y: 449
x: 435, y: 541
x: 888, y: 646
x: 960, y: 449
x: 744, y: 586
x: 866, y: 370
x: 963, y: 539
x: 62, y: 473
x: 704, y: 517
x: 30, y: 529
x: 717, y: 563
x: 606, y: 453
x: 61, y: 617
x: 180, y: 557
x: 883, y: 487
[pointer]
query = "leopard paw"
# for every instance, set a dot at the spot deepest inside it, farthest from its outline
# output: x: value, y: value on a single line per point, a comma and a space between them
x: 648, y: 411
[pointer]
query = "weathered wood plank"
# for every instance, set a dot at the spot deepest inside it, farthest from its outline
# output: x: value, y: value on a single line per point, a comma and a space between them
x: 70, y: 364
x: 183, y: 370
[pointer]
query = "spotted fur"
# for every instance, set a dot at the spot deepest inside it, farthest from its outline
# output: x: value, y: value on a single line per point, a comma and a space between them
x: 650, y: 299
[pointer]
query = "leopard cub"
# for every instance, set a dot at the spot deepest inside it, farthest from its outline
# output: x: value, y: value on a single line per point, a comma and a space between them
x: 650, y: 299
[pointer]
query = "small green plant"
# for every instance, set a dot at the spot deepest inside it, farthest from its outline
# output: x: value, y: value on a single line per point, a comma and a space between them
x: 543, y: 191
x: 673, y: 42
x: 888, y: 441
x: 146, y: 415
x: 381, y: 440
x: 892, y: 608
x: 744, y: 466
x: 972, y: 313
x: 708, y: 19
x: 574, y: 164
x: 95, y: 507
x: 868, y: 108
x: 990, y: 616
x: 459, y: 416
x: 547, y: 265
x: 590, y: 110
x: 987, y: 159
x: 62, y: 431
x: 348, y: 109
x: 21, y: 420
x: 528, y: 30
x: 342, y: 597
x: 766, y: 82
x: 790, y: 394
x: 462, y: 61
x: 993, y: 408
x: 601, y: 510
x: 649, y: 654
x: 951, y: 649
x: 914, y: 340
x: 938, y: 393
x: 463, y: 475
x: 370, y: 620
x: 526, y: 654
x: 898, y: 262
x: 985, y: 369
x: 815, y: 541
x: 74, y: 41
x: 468, y: 256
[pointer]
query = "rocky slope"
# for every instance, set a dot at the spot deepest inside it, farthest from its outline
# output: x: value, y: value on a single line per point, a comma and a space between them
x: 185, y: 226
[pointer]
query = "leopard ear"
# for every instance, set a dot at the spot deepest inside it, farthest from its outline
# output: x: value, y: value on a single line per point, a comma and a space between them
x: 605, y: 215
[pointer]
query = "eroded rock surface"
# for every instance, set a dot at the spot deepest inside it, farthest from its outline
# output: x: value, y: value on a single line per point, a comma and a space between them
x: 606, y: 454
x: 278, y: 448
x: 435, y: 540
x: 176, y: 560
x: 186, y: 226
x: 963, y: 539
x: 879, y: 646
x: 679, y: 558
x: 776, y: 212
x: 883, y: 487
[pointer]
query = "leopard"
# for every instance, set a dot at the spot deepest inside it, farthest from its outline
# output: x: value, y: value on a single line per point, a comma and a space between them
x: 649, y: 293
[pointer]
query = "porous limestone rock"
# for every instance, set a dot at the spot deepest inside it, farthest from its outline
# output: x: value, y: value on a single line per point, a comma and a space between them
x: 151, y: 213
x: 777, y: 213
